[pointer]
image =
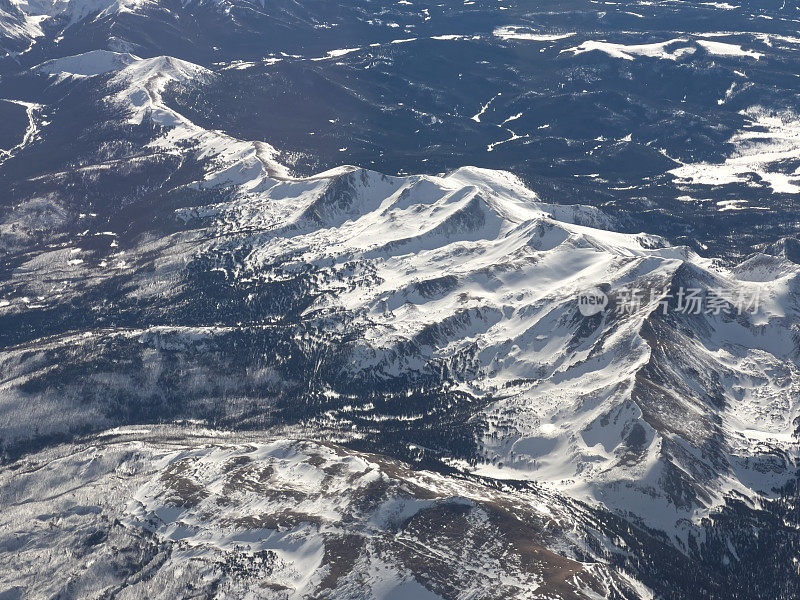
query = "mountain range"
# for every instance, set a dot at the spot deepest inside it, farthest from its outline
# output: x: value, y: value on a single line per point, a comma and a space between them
x: 233, y: 365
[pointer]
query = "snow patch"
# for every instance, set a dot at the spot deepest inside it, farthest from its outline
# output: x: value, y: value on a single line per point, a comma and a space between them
x: 517, y: 32
x: 659, y: 50
x: 769, y: 142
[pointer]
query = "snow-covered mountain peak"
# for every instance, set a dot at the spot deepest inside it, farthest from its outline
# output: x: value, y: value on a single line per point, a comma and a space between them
x: 142, y: 82
x: 88, y: 64
x: 155, y: 73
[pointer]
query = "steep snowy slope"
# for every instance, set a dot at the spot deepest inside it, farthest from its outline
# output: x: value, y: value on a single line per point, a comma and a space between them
x: 23, y: 22
x: 17, y: 29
